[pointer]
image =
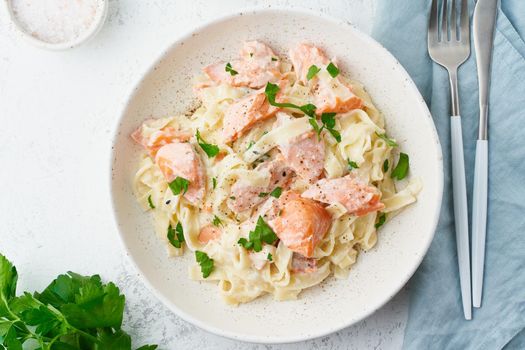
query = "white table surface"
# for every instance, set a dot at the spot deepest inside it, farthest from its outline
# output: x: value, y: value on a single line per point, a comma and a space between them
x: 57, y: 111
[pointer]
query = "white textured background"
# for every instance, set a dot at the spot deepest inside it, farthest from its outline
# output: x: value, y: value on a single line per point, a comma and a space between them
x: 57, y: 111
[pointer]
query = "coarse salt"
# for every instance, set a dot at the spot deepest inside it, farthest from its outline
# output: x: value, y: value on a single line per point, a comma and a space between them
x: 56, y: 21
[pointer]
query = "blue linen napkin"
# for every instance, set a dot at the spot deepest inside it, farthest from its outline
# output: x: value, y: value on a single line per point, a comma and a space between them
x: 435, y: 315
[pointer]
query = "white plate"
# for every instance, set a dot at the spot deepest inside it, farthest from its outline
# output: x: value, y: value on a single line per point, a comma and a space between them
x: 379, y: 274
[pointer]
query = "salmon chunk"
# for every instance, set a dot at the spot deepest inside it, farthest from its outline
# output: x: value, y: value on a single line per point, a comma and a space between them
x: 180, y: 160
x: 209, y: 233
x: 305, y: 155
x: 330, y: 93
x: 244, y: 113
x: 245, y: 196
x: 153, y: 141
x: 301, y: 264
x: 356, y: 196
x: 301, y: 225
x: 256, y: 66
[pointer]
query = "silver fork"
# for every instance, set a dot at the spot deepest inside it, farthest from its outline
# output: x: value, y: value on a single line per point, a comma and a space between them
x: 450, y: 47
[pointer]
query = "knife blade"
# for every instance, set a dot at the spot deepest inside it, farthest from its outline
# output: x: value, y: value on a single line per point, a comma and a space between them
x: 483, y: 24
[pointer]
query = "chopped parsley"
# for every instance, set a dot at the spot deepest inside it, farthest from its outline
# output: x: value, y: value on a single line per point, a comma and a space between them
x: 332, y: 70
x: 211, y: 150
x: 232, y: 198
x: 276, y: 192
x: 251, y: 54
x: 230, y: 70
x: 214, y: 182
x: 176, y: 236
x: 274, y: 59
x: 269, y: 257
x: 216, y: 221
x: 205, y: 262
x: 150, y: 202
x: 381, y: 221
x: 250, y: 145
x: 261, y: 234
x: 401, y: 169
x: 328, y: 120
x: 179, y: 185
x: 385, y: 166
x: 263, y: 194
x: 389, y: 141
x: 312, y: 71
x: 352, y: 165
x: 271, y: 91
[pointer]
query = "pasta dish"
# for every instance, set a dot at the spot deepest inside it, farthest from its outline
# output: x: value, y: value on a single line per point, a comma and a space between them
x: 278, y: 179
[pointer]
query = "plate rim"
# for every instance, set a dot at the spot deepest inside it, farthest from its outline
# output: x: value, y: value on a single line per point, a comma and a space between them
x: 180, y: 39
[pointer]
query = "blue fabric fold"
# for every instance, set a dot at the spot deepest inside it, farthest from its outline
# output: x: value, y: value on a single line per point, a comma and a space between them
x: 435, y: 315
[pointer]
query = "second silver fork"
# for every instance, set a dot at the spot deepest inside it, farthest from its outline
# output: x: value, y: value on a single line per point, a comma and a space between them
x: 450, y: 48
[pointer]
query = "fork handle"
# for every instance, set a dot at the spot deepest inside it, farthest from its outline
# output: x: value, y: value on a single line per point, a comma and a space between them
x: 479, y: 219
x: 461, y: 213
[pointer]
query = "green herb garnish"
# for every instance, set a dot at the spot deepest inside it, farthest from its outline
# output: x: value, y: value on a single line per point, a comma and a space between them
x: 352, y: 165
x: 205, y: 262
x: 276, y: 192
x: 385, y: 166
x: 390, y: 142
x: 216, y: 221
x: 150, y: 202
x: 312, y: 71
x: 274, y: 59
x: 214, y: 182
x: 271, y: 91
x: 179, y: 185
x: 380, y: 221
x: 261, y: 234
x: 332, y: 70
x: 232, y: 198
x: 176, y: 236
x: 328, y: 120
x: 269, y: 257
x: 211, y: 150
x: 401, y: 169
x: 250, y: 145
x: 263, y: 194
x: 74, y: 312
x: 230, y: 70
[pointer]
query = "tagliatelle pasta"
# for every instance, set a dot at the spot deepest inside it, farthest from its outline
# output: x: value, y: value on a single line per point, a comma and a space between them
x: 293, y: 196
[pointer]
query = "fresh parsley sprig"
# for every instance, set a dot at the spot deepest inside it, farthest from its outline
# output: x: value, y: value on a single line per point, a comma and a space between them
x: 261, y: 234
x: 176, y: 236
x: 210, y: 149
x: 271, y: 91
x: 206, y: 263
x: 179, y: 185
x: 401, y: 169
x: 74, y: 312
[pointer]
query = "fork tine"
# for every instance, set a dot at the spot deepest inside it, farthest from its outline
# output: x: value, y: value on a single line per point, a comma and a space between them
x: 465, y: 22
x: 453, y: 21
x: 433, y: 23
x: 444, y: 21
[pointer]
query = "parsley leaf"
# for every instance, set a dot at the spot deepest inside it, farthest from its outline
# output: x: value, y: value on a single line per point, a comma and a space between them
x: 390, y: 142
x: 276, y: 192
x: 150, y: 202
x: 315, y: 126
x: 230, y: 70
x: 332, y: 70
x: 176, y: 236
x: 312, y: 71
x: 352, y: 165
x: 335, y: 134
x: 274, y: 59
x: 214, y: 182
x: 250, y: 145
x: 261, y: 234
x: 269, y: 257
x: 211, y: 150
x: 216, y: 221
x: 401, y: 169
x: 72, y: 312
x: 205, y: 262
x: 179, y: 185
x: 271, y: 91
x: 385, y: 166
x: 380, y: 221
x: 263, y: 194
x: 328, y: 120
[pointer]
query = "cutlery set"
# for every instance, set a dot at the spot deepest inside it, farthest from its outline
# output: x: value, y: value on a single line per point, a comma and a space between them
x: 449, y: 46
